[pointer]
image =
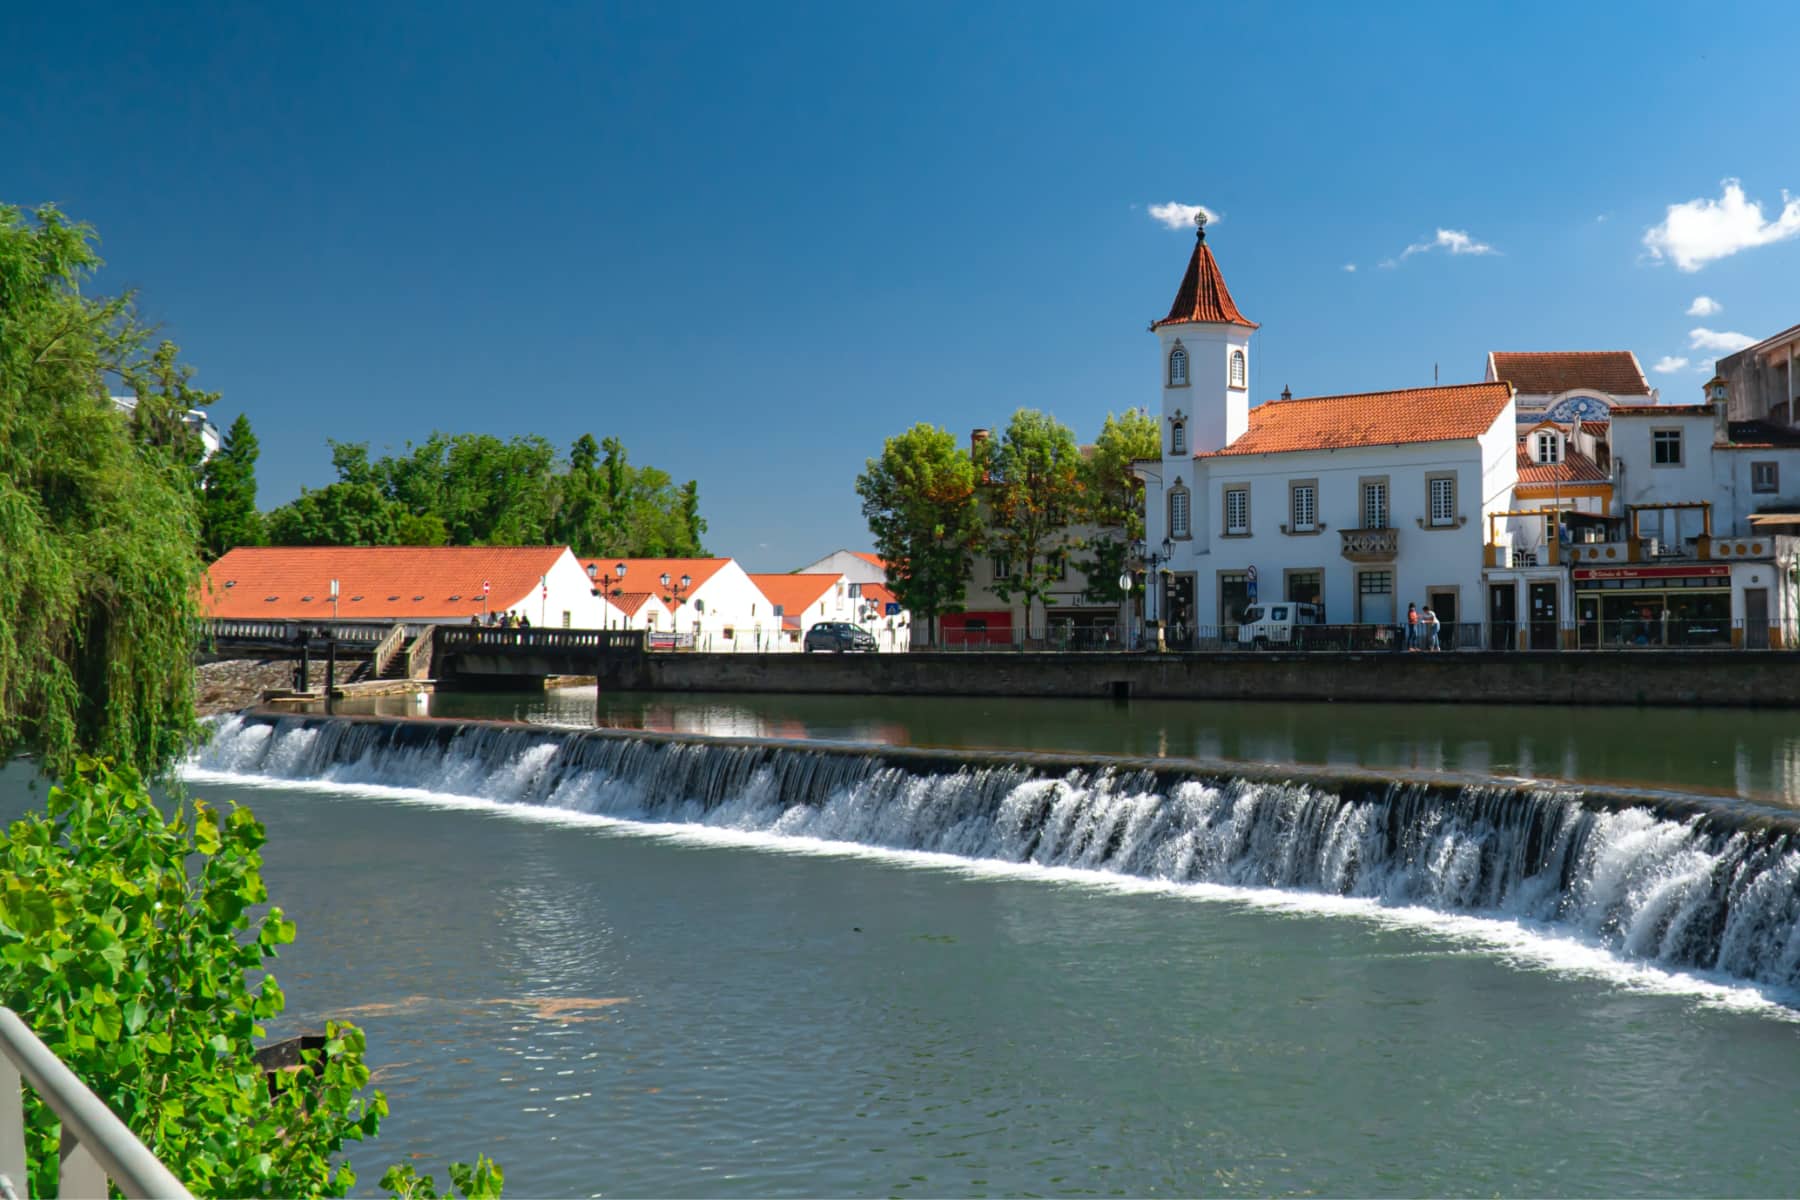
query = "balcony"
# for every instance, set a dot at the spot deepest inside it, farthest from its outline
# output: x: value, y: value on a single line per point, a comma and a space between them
x: 1370, y: 545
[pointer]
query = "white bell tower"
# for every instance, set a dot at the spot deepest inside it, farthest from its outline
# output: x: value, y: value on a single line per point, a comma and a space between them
x: 1203, y: 349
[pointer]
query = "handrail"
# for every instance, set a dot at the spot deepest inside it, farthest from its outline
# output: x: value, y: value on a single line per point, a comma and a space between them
x: 385, y: 650
x: 96, y: 1145
x: 418, y: 654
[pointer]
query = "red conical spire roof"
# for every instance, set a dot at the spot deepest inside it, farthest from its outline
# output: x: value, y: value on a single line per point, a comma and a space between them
x: 1203, y: 296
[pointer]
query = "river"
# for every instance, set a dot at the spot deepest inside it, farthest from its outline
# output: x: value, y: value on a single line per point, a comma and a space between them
x: 620, y: 1002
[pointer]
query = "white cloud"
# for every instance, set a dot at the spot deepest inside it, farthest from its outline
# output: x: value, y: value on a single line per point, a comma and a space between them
x: 1706, y: 339
x: 1351, y: 267
x: 1456, y: 241
x: 1669, y: 364
x: 1699, y: 231
x: 1181, y: 216
x: 1704, y: 306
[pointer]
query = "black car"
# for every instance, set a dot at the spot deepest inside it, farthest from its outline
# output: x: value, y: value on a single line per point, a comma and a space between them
x: 838, y: 636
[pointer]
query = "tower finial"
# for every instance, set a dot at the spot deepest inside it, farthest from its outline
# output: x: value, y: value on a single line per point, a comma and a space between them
x: 1200, y: 224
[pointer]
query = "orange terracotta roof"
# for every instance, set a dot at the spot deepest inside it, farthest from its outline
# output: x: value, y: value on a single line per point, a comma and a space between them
x: 1203, y: 296
x: 1552, y: 372
x: 1434, y: 414
x: 629, y: 602
x: 794, y: 593
x: 874, y: 560
x: 1575, y: 467
x: 876, y: 593
x: 388, y: 583
x: 648, y: 572
x: 1596, y: 428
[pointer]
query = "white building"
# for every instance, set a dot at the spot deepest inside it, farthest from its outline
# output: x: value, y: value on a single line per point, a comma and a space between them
x: 711, y: 600
x: 414, y: 585
x: 875, y: 606
x: 1363, y: 503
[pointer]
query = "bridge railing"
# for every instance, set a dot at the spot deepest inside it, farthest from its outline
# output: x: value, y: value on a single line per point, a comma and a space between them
x: 96, y: 1145
x: 386, y: 649
x: 221, y: 630
x: 462, y: 639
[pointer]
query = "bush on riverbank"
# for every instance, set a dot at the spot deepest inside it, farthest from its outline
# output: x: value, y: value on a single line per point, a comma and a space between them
x: 130, y: 941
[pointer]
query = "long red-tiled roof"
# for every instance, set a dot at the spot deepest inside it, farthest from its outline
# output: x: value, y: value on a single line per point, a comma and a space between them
x: 1433, y: 414
x: 646, y: 573
x: 390, y: 583
x: 1203, y: 296
x: 1552, y: 372
x: 1575, y: 467
x: 794, y: 593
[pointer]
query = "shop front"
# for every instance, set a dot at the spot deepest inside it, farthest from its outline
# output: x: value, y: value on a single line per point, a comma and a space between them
x: 1667, y: 604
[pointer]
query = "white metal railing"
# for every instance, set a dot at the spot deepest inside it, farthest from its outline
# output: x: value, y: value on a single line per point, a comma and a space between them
x: 96, y: 1145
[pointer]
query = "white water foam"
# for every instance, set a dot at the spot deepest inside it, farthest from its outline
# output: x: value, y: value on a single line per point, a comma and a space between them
x: 1538, y: 945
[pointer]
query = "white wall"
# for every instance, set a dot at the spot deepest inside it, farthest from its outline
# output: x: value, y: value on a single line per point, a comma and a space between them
x: 1216, y: 413
x: 570, y: 592
x: 1427, y: 557
x: 851, y: 567
x: 1640, y: 481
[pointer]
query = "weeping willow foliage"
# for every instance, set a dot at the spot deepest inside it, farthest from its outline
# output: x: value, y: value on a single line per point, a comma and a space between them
x: 99, y: 558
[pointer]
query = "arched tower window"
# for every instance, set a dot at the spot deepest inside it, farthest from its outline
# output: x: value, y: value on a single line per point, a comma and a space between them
x: 1178, y: 437
x: 1238, y: 374
x: 1178, y: 367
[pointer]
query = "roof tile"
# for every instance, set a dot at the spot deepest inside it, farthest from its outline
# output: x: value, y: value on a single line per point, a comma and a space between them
x: 1435, y: 414
x: 392, y: 583
x: 1203, y: 296
x: 1552, y: 372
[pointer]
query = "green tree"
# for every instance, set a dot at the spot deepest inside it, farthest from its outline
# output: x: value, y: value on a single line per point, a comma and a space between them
x: 100, y: 530
x: 1034, y: 494
x: 1114, y: 500
x: 228, y: 513
x: 133, y: 941
x: 919, y: 500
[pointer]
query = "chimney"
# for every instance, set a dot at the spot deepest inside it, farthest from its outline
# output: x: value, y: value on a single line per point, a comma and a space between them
x: 1286, y: 395
x: 978, y: 436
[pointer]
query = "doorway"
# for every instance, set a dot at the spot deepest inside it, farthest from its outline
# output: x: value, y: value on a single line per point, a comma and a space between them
x: 1503, y: 616
x: 1442, y: 602
x: 1756, y: 618
x: 1543, y: 616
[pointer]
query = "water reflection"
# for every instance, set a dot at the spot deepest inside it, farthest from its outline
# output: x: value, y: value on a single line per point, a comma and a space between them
x: 1751, y: 754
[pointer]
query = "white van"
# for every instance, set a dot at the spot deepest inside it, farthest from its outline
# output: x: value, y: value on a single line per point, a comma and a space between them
x: 1273, y: 624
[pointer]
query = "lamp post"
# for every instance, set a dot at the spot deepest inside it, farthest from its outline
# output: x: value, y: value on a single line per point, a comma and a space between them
x: 1152, y: 560
x: 613, y: 589
x: 675, y: 591
x: 1125, y: 586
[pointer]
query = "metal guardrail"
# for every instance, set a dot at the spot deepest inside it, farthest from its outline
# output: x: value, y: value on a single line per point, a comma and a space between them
x: 96, y: 1145
x: 462, y: 638
x: 1568, y: 636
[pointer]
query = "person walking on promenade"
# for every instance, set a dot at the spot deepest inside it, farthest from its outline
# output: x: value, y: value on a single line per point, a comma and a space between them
x: 1412, y: 627
x: 1431, y: 630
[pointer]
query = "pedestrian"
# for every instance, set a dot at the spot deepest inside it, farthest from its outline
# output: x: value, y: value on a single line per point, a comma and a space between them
x: 1431, y: 629
x: 475, y: 620
x: 524, y: 621
x: 1412, y: 627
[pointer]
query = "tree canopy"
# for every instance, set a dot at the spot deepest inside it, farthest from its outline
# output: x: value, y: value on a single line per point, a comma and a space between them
x: 479, y: 490
x: 1114, y: 499
x: 919, y: 499
x: 99, y: 528
x: 228, y: 513
x: 1035, y: 493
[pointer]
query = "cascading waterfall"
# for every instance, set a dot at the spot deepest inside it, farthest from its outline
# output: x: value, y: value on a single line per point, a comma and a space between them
x: 1678, y: 883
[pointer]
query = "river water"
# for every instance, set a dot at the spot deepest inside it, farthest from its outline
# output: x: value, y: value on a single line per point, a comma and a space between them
x: 618, y: 1001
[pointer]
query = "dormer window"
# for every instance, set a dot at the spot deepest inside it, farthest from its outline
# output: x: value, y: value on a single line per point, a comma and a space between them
x: 1238, y: 371
x: 1178, y: 437
x: 1178, y: 367
x: 1549, y: 448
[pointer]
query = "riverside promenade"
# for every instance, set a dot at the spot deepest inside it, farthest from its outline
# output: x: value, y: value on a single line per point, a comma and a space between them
x: 1651, y: 677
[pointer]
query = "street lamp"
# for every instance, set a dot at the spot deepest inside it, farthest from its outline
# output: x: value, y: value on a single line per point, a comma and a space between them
x: 1152, y: 560
x: 675, y: 591
x: 614, y: 590
x: 1125, y: 587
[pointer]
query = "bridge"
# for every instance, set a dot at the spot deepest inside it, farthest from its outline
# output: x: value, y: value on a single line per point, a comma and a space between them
x: 403, y: 651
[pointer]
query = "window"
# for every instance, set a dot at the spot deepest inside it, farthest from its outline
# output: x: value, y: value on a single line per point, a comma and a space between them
x: 1002, y: 566
x: 1238, y: 373
x: 1234, y: 596
x: 1303, y: 503
x: 1178, y: 513
x: 1441, y: 490
x: 1375, y: 597
x: 1178, y: 367
x: 1665, y: 448
x: 1237, y: 511
x: 1178, y: 437
x: 1765, y: 477
x: 1375, y: 505
x: 1306, y: 587
x: 1549, y: 448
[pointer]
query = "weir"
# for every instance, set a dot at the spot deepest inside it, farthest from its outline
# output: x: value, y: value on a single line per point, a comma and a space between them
x: 1680, y: 881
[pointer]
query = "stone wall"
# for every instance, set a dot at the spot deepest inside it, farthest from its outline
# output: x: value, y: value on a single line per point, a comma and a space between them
x: 1670, y: 677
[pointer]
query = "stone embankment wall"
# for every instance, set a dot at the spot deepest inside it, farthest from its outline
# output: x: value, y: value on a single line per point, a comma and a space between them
x: 1672, y: 677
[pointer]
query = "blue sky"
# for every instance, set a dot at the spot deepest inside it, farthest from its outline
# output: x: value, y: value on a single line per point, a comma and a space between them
x: 753, y: 241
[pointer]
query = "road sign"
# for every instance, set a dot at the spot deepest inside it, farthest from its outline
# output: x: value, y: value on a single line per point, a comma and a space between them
x: 1250, y: 583
x: 484, y: 587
